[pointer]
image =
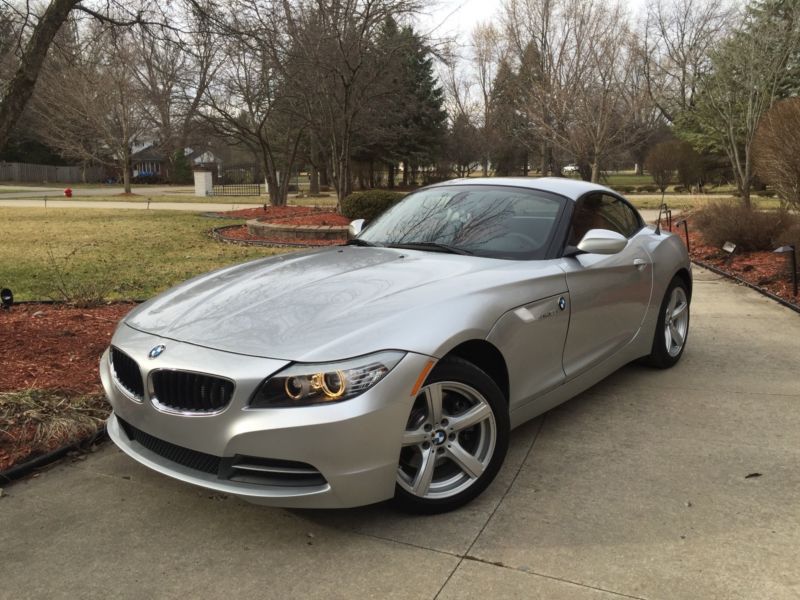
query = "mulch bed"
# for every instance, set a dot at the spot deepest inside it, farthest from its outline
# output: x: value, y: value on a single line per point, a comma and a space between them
x: 282, y: 215
x: 53, y: 349
x: 56, y: 347
x: 763, y: 269
x: 278, y: 214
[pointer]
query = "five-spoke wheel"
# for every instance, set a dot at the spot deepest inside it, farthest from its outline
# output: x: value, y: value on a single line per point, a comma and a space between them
x: 673, y: 326
x: 455, y: 439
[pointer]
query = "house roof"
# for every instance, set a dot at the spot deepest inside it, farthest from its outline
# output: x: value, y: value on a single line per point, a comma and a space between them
x: 149, y: 153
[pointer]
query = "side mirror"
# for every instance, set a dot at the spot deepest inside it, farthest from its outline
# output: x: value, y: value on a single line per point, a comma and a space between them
x: 355, y: 228
x: 602, y: 241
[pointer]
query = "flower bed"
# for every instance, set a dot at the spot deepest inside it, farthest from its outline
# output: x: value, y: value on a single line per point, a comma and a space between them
x: 285, y: 226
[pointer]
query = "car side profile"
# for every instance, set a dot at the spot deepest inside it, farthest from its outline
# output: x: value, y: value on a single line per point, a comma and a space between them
x: 395, y: 366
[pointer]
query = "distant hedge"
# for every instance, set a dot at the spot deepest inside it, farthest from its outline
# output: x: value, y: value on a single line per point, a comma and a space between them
x: 368, y: 205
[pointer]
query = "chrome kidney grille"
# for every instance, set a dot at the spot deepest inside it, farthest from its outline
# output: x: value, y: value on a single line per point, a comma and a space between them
x: 189, y: 392
x: 127, y: 374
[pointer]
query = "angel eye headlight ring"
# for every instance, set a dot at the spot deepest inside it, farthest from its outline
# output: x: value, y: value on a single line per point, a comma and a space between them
x: 304, y: 384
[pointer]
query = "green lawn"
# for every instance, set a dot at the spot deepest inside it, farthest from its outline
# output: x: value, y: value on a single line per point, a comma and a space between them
x: 7, y: 189
x: 113, y: 254
x: 142, y: 198
x: 690, y: 201
x: 329, y: 200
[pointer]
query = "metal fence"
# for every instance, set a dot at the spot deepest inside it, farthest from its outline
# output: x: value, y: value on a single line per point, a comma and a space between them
x: 239, y: 181
x: 30, y: 173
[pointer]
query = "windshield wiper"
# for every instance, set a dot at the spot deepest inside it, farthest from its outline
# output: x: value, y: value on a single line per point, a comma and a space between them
x: 358, y: 242
x: 435, y: 246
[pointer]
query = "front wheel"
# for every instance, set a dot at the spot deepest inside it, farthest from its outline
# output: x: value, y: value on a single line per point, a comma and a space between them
x: 455, y: 439
x: 672, y: 328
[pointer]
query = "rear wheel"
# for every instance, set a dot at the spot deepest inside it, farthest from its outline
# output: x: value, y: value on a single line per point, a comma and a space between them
x: 455, y: 440
x: 672, y: 328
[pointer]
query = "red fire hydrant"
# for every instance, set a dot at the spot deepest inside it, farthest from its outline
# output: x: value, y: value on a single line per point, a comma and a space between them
x: 68, y: 192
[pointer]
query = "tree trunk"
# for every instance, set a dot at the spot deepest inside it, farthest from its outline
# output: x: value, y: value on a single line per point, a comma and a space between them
x: 405, y: 173
x: 545, y: 166
x: 271, y: 178
x: 324, y: 175
x: 595, y: 171
x: 21, y: 87
x: 745, y: 191
x: 390, y: 176
x: 313, y: 186
x: 485, y: 166
x: 126, y: 171
x: 342, y: 178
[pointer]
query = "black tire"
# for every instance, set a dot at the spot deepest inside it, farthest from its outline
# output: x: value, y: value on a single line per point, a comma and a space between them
x: 660, y: 355
x: 452, y: 373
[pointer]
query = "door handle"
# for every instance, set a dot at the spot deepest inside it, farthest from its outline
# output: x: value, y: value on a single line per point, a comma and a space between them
x: 639, y: 263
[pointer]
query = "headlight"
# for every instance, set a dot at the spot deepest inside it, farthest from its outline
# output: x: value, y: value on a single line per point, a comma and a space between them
x: 303, y: 384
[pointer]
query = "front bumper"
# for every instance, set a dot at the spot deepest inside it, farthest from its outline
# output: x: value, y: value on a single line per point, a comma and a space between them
x: 354, y: 445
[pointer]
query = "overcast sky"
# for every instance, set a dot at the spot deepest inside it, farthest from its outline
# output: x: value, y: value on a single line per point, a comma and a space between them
x: 458, y: 17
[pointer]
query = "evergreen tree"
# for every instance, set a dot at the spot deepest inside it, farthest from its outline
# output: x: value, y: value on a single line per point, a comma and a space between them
x: 508, y: 155
x: 409, y: 125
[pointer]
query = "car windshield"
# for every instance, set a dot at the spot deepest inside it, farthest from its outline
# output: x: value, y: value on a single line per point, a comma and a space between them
x: 489, y: 221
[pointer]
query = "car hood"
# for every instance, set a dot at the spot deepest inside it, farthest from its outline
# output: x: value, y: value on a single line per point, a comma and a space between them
x: 338, y: 302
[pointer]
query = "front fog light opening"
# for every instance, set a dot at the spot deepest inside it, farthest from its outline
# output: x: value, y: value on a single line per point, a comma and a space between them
x: 304, y: 384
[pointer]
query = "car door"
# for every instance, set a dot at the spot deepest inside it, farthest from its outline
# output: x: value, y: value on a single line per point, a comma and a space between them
x: 609, y: 294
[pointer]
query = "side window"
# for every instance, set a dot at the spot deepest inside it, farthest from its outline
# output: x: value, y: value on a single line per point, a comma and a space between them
x: 620, y: 215
x: 601, y: 211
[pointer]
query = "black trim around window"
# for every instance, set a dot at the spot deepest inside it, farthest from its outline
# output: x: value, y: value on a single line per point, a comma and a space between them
x: 563, y: 230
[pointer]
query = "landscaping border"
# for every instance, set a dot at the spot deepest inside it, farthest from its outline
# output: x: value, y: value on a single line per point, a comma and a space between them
x: 752, y: 286
x: 218, y: 234
x: 32, y: 463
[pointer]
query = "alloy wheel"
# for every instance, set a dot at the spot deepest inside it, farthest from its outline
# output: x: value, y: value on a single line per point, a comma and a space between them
x: 676, y: 321
x: 448, y: 442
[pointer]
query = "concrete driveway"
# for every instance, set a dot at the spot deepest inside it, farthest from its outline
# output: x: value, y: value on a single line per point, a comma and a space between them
x: 638, y: 488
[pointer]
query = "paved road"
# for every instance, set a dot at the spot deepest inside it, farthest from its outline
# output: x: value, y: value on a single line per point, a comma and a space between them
x: 58, y: 192
x: 638, y: 488
x: 140, y: 205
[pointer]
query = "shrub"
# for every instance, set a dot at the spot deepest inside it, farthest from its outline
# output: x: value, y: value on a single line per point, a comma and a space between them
x: 679, y: 189
x: 690, y: 166
x: 625, y: 189
x: 776, y: 150
x: 748, y: 228
x: 368, y: 205
x: 661, y: 163
x: 648, y: 188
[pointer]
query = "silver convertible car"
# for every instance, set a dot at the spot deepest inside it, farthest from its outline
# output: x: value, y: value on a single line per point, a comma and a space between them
x: 395, y: 366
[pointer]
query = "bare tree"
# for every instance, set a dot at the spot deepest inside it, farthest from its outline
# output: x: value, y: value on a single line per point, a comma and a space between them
x: 174, y: 72
x: 249, y: 102
x: 38, y: 29
x: 486, y: 56
x: 333, y: 63
x: 678, y: 38
x: 749, y: 70
x: 88, y: 105
x: 573, y: 64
